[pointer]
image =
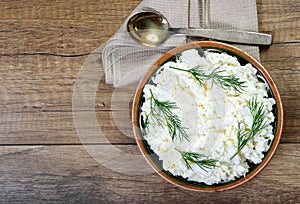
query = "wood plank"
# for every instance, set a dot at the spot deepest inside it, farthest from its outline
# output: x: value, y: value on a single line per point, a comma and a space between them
x: 65, y: 27
x: 59, y: 128
x: 53, y: 36
x: 115, y: 126
x: 283, y: 63
x: 36, y: 98
x: 279, y: 18
x: 89, y: 10
x: 67, y: 174
x: 72, y: 27
x: 47, y: 82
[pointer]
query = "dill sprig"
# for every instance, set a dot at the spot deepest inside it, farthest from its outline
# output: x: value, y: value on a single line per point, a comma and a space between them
x: 196, y: 72
x: 192, y: 157
x: 222, y: 81
x: 162, y: 113
x: 244, y: 136
x: 226, y: 82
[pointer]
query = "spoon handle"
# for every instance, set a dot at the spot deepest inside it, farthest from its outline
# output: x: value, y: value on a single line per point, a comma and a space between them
x: 244, y: 37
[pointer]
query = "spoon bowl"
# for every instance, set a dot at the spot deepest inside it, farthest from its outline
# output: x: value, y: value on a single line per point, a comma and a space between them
x: 149, y: 28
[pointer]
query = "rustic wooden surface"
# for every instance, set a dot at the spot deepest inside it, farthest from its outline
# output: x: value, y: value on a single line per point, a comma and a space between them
x: 43, y: 45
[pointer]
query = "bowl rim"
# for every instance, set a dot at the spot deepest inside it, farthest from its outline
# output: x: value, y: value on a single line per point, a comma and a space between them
x: 224, y: 47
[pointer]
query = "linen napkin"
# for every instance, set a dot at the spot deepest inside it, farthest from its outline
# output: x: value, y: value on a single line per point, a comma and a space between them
x: 125, y: 61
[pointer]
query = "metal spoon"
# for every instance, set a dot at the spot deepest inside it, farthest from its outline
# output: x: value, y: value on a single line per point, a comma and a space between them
x: 152, y: 29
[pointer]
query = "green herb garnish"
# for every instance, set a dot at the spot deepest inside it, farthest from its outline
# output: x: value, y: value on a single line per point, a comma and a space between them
x: 244, y: 136
x: 196, y: 72
x: 222, y: 81
x: 162, y: 113
x: 192, y: 157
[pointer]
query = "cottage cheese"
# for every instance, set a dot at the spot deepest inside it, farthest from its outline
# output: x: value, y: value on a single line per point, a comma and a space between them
x: 210, y: 115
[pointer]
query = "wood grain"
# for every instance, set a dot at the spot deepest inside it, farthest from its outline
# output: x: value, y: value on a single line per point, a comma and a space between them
x: 73, y: 27
x: 43, y: 47
x: 280, y: 18
x: 36, y: 96
x: 67, y: 173
x: 64, y: 27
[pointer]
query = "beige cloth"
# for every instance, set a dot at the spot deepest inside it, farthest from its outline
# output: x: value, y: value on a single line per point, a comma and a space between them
x: 125, y: 61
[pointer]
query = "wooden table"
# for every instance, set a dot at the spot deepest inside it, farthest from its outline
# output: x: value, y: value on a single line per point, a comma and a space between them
x: 44, y: 45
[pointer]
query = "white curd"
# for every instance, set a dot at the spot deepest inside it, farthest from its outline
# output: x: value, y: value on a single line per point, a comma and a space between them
x: 211, y: 116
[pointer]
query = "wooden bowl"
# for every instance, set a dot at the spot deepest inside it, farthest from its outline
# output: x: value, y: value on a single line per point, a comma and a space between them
x: 152, y: 158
